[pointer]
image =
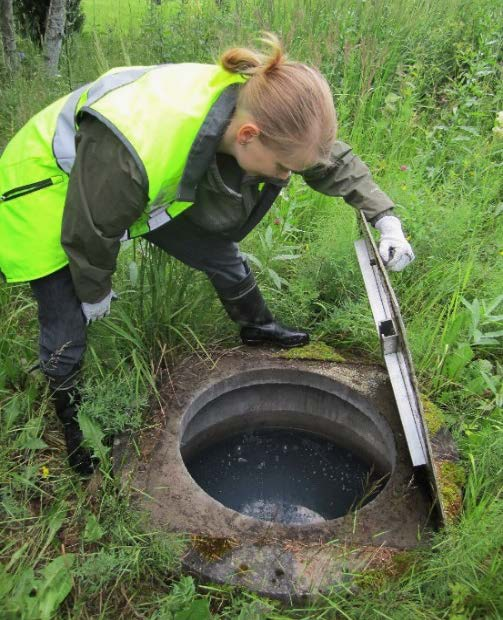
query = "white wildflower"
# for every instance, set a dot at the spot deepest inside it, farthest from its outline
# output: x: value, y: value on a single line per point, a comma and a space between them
x: 498, y: 131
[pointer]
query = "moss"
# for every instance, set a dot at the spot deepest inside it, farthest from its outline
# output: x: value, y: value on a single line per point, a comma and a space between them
x: 213, y: 548
x: 451, y: 478
x: 433, y: 416
x: 385, y: 565
x: 403, y: 562
x: 318, y: 351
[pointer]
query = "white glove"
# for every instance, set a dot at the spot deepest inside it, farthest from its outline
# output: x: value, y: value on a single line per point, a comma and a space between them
x: 95, y: 312
x: 394, y: 248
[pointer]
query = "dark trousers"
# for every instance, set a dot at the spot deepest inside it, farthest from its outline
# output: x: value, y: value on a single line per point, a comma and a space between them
x: 62, y: 340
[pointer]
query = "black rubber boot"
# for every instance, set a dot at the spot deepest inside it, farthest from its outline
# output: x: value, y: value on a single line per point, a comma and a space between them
x: 66, y: 398
x: 274, y: 333
x: 245, y: 305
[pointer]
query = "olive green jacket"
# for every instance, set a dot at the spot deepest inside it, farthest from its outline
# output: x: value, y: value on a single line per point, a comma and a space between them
x: 106, y: 194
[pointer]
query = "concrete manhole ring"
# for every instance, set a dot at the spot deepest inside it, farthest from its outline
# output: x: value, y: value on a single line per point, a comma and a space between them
x: 352, y: 404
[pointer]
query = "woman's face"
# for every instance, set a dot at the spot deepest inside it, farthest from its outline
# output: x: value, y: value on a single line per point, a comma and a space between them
x: 256, y: 159
x: 242, y: 140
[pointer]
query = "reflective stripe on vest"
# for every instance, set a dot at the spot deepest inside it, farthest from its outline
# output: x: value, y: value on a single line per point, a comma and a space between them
x: 156, y: 218
x: 63, y: 144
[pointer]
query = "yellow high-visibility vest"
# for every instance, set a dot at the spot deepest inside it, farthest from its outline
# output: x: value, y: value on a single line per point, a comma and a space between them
x: 157, y: 112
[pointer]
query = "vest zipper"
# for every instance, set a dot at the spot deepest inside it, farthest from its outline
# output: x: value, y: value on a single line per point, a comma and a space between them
x: 22, y: 190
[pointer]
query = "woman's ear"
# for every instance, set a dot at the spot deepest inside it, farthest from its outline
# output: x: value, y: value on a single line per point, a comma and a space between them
x: 247, y: 132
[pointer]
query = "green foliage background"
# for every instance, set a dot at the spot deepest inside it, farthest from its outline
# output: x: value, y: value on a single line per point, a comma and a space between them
x: 417, y: 86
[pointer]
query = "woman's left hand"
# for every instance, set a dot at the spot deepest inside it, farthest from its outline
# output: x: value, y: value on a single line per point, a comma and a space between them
x: 394, y: 248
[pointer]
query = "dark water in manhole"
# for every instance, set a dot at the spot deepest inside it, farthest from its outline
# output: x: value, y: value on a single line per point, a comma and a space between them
x: 284, y: 475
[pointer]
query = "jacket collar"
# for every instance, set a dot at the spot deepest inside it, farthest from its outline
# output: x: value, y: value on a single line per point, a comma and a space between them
x: 205, y: 145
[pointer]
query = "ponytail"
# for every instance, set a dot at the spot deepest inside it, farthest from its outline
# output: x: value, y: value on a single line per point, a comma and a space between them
x: 291, y: 102
x: 249, y: 62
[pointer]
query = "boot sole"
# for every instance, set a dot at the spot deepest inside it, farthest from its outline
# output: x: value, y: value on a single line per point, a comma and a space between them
x: 283, y: 345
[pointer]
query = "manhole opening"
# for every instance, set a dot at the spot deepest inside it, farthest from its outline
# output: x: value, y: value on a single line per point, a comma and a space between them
x: 289, y: 447
x: 284, y: 475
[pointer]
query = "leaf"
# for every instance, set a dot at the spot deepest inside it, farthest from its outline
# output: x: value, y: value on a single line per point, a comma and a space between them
x: 483, y: 72
x: 484, y: 365
x: 455, y: 328
x: 133, y: 272
x: 268, y: 236
x: 6, y: 582
x: 487, y: 337
x: 496, y: 334
x: 457, y: 360
x: 392, y: 98
x: 34, y: 443
x: 253, y: 259
x: 198, y: 610
x: 498, y: 300
x: 275, y: 278
x: 20, y: 552
x: 56, y: 517
x: 286, y: 256
x: 476, y: 385
x: 471, y: 130
x: 30, y: 432
x: 185, y: 588
x: 484, y: 340
x: 255, y: 610
x: 23, y: 597
x: 93, y: 436
x: 461, y: 139
x: 477, y: 335
x: 490, y: 382
x: 12, y: 411
x: 475, y: 309
x: 93, y: 530
x: 249, y: 614
x: 55, y: 586
x: 494, y: 318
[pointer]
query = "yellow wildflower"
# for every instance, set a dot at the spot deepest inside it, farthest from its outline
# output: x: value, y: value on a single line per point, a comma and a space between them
x: 45, y: 472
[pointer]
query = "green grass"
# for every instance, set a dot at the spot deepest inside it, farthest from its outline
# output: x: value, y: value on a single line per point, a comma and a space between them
x: 120, y: 15
x: 417, y: 84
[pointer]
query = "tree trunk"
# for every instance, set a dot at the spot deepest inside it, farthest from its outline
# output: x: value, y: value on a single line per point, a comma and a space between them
x: 8, y: 34
x: 54, y: 33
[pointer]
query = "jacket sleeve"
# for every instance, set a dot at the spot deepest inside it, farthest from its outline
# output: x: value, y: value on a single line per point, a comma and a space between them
x: 106, y: 194
x: 347, y: 176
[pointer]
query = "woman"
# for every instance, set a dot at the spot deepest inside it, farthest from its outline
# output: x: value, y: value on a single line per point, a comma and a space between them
x: 189, y: 156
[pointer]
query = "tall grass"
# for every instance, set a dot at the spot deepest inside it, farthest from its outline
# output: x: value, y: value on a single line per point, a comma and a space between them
x: 417, y: 86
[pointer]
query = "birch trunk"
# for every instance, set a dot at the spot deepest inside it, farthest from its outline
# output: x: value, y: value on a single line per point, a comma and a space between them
x: 54, y: 33
x: 8, y: 34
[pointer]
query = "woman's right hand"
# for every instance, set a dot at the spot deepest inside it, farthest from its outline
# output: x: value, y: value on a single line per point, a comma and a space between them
x: 98, y: 310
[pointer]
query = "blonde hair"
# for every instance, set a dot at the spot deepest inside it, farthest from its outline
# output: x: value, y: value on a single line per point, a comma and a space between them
x: 291, y: 102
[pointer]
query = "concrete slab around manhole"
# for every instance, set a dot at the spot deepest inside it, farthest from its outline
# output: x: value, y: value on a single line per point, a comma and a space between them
x: 282, y: 560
